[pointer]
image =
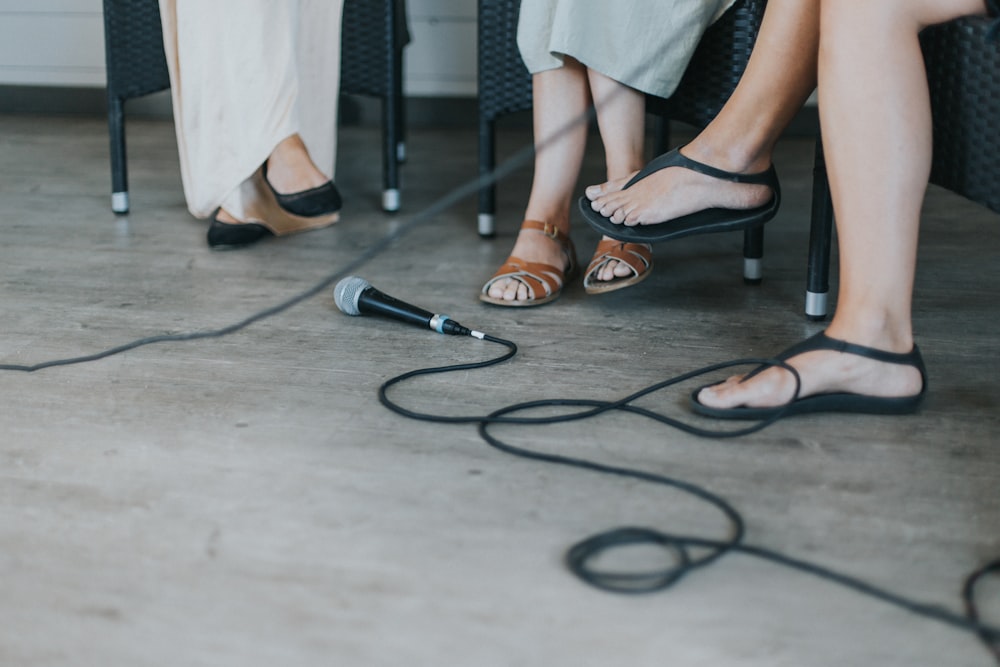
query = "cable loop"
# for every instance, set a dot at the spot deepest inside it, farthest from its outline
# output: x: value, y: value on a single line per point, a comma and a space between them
x: 581, y: 558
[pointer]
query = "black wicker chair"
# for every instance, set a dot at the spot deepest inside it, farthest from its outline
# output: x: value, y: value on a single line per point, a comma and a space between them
x: 374, y: 34
x: 714, y: 71
x: 963, y: 70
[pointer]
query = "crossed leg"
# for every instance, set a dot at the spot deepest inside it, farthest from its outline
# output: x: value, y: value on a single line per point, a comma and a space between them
x: 780, y: 76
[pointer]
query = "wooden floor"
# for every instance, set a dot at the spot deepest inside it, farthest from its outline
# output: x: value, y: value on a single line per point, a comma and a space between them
x: 248, y: 501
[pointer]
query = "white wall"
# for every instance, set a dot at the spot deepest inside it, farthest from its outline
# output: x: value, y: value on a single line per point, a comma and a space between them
x: 51, y: 42
x: 60, y: 43
x: 441, y: 59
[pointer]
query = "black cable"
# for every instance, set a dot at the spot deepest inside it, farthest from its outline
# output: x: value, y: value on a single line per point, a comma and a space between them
x: 519, y: 159
x: 581, y: 556
x: 991, y: 640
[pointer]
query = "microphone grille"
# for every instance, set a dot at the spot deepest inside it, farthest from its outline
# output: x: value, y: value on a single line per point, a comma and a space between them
x: 347, y: 292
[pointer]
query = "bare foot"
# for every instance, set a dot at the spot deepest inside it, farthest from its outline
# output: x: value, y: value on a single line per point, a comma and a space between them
x: 671, y: 193
x: 531, y: 245
x: 291, y: 170
x: 821, y: 372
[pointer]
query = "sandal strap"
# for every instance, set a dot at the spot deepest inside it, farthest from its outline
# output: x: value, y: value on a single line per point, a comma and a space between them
x: 536, y: 276
x: 821, y: 341
x: 675, y: 158
x: 620, y: 251
x: 542, y: 280
x: 560, y: 237
x: 547, y: 228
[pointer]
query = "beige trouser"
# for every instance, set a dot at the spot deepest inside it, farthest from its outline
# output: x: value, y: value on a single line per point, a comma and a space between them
x: 246, y: 74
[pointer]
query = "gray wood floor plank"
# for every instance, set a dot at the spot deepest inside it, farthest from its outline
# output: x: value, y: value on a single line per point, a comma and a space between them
x: 247, y: 501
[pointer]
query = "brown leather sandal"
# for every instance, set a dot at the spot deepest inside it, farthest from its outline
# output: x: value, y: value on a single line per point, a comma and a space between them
x: 636, y: 256
x: 544, y: 281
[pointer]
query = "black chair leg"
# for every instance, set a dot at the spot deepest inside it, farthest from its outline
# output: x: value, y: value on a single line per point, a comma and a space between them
x: 661, y: 135
x: 820, y: 239
x: 390, y: 148
x: 401, y: 37
x: 753, y: 255
x: 119, y: 166
x: 392, y: 120
x: 487, y: 161
x: 400, y: 120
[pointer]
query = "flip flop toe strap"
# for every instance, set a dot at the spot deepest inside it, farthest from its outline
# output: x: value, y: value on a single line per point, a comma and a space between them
x: 675, y: 158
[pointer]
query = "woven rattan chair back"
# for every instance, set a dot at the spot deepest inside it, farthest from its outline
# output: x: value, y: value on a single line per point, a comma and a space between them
x: 963, y: 70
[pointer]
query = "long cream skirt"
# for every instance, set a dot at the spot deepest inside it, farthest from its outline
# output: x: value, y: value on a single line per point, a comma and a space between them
x: 246, y: 74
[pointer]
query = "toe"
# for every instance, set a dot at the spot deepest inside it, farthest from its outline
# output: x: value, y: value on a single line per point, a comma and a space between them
x: 769, y: 388
x: 621, y: 270
x: 497, y: 289
x: 515, y: 290
x: 720, y: 395
x: 607, y: 271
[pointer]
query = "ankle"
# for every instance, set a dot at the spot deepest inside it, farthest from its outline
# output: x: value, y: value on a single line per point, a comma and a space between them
x: 879, y: 332
x: 290, y: 169
x: 736, y: 155
x: 539, y: 239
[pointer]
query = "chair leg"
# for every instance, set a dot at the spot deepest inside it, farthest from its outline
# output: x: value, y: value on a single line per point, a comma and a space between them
x: 391, y: 118
x: 400, y: 114
x: 753, y: 255
x: 119, y: 166
x: 401, y: 38
x: 487, y: 161
x: 661, y: 135
x: 391, y: 123
x: 390, y: 162
x: 401, y: 133
x: 820, y: 239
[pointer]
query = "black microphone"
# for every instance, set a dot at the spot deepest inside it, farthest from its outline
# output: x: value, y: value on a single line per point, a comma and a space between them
x: 355, y: 296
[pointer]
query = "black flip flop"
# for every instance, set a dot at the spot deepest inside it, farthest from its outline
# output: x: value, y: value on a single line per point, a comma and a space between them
x: 837, y: 402
x: 702, y: 222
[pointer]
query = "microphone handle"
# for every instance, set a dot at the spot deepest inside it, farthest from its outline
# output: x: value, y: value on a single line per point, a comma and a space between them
x: 379, y: 303
x: 373, y: 301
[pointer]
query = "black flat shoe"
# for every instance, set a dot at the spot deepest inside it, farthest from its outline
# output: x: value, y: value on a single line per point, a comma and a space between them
x: 227, y: 235
x: 833, y: 402
x: 321, y: 200
x: 708, y: 221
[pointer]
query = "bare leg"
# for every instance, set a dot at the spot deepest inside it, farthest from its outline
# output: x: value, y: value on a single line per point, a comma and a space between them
x: 875, y: 114
x: 561, y: 97
x: 621, y: 117
x: 780, y: 76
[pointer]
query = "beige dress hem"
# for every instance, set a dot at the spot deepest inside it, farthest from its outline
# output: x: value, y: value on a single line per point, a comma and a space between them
x: 245, y: 75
